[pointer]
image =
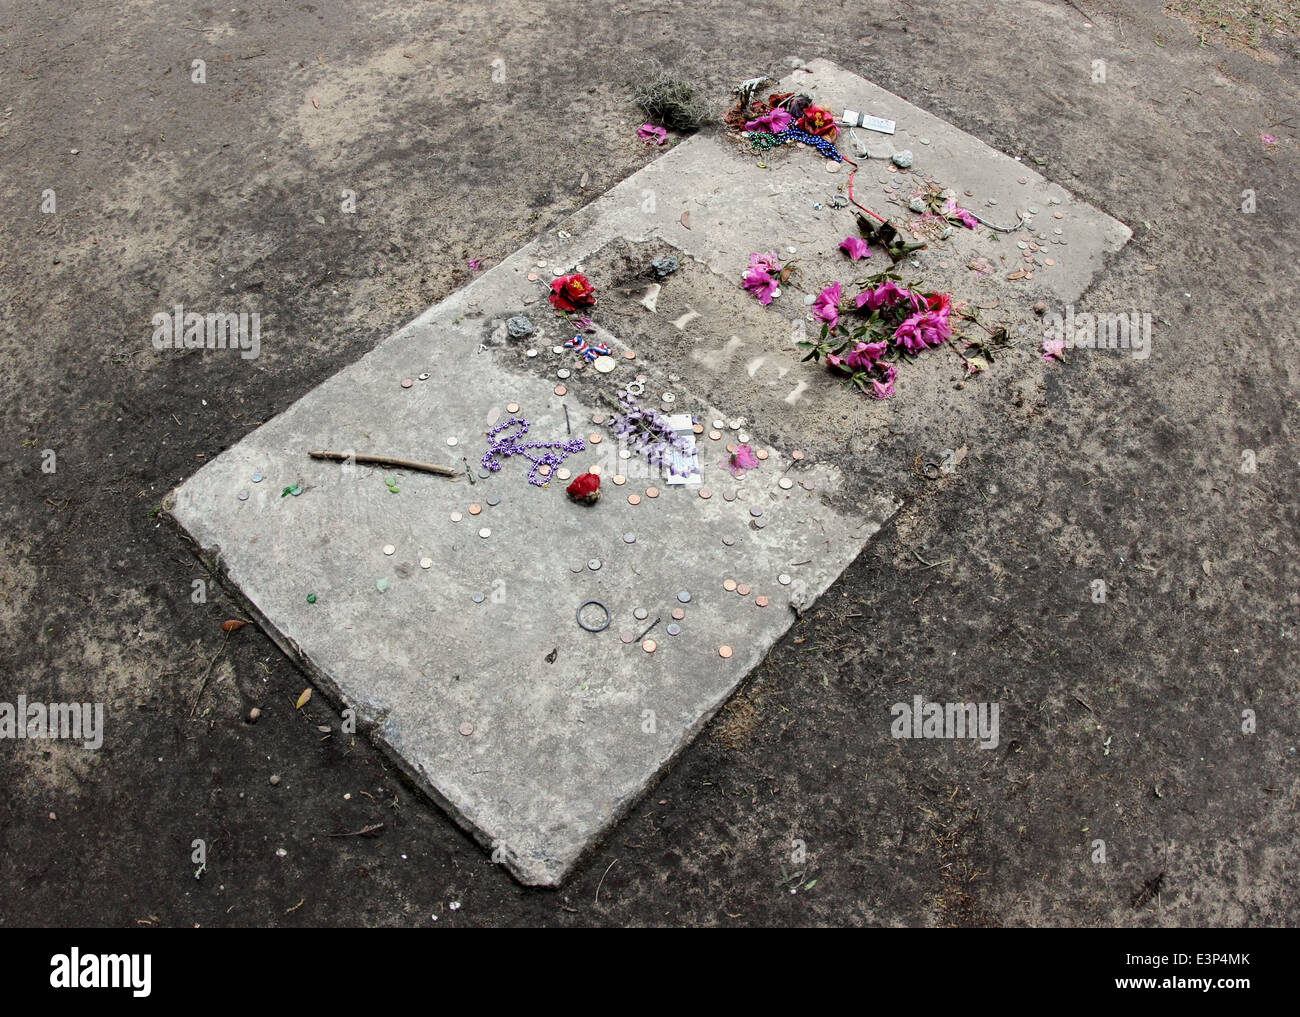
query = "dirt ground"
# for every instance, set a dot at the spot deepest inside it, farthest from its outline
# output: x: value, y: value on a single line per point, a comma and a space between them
x: 465, y: 130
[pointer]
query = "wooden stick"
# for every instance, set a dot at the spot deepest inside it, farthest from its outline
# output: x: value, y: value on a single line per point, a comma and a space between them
x: 398, y: 464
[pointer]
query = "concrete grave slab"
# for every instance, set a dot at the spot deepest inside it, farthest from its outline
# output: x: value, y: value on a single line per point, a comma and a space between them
x: 469, y: 668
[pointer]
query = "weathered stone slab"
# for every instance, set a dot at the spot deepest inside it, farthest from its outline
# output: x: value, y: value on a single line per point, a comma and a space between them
x: 568, y: 728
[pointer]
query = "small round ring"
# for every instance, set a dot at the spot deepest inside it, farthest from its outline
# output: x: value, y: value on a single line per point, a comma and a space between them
x: 587, y: 627
x: 930, y: 471
x: 635, y: 388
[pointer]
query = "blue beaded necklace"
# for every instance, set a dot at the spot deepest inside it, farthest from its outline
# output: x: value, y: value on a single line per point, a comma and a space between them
x: 824, y: 146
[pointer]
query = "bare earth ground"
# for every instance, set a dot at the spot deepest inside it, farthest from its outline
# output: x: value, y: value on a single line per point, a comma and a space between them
x: 1120, y: 721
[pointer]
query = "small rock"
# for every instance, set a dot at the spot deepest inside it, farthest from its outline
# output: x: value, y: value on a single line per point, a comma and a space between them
x: 917, y: 205
x: 519, y: 327
x: 275, y: 780
x: 254, y: 715
x: 53, y: 816
x: 903, y: 159
x: 1040, y: 308
x: 664, y: 267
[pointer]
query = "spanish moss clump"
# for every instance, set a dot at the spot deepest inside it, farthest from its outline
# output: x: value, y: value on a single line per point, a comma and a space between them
x: 673, y: 102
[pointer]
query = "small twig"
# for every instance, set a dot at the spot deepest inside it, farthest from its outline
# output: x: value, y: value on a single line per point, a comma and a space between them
x: 400, y: 464
x: 365, y: 831
x: 647, y: 631
x: 206, y: 677
x: 567, y: 428
x: 602, y: 879
x: 1083, y: 704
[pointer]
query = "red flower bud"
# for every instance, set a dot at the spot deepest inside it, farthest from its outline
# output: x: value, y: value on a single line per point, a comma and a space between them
x: 585, y: 488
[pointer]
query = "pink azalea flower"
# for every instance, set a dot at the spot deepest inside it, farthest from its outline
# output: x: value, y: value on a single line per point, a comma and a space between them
x: 651, y: 134
x: 473, y: 264
x: 962, y: 215
x: 826, y: 306
x: 833, y: 361
x: 886, y: 294
x: 865, y: 355
x: 1053, y: 348
x: 741, y: 460
x: 855, y: 247
x: 925, y: 328
x: 884, y: 389
x: 773, y: 122
x: 759, y: 283
x: 1268, y: 140
x: 767, y: 262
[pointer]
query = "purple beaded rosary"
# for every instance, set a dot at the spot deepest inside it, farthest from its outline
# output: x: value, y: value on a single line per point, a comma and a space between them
x: 557, y: 452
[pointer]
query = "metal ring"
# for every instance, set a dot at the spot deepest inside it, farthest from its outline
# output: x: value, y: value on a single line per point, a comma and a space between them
x: 640, y: 388
x: 587, y: 627
x: 930, y: 471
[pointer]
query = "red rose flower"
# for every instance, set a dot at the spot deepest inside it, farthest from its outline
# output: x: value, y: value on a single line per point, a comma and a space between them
x: 820, y: 122
x: 569, y: 292
x: 585, y: 488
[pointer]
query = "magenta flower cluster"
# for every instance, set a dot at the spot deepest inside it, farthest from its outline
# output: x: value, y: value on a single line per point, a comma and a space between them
x: 899, y: 322
x: 761, y: 278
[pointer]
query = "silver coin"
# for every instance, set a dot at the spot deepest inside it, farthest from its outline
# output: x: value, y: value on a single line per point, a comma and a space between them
x: 494, y: 501
x: 629, y: 538
x: 594, y: 564
x: 640, y: 614
x: 674, y: 629
x: 783, y: 579
x: 478, y: 598
x: 242, y: 496
x: 562, y: 373
x: 683, y: 596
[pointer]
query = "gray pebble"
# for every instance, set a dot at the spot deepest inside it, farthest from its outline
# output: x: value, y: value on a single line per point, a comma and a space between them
x: 519, y: 327
x: 903, y: 159
x: 663, y: 267
x: 917, y: 205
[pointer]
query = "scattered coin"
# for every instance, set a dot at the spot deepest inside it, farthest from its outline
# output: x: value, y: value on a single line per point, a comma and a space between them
x: 649, y: 646
x: 705, y: 493
x: 678, y: 613
x: 485, y: 533
x: 619, y: 479
x: 652, y: 492
x: 389, y: 549
x: 760, y: 602
x: 674, y: 629
x: 729, y: 585
x: 640, y: 614
x: 426, y: 563
x: 475, y: 509
x: 627, y: 636
x: 724, y: 652
x: 634, y: 499
x: 466, y: 729
x: 560, y: 390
